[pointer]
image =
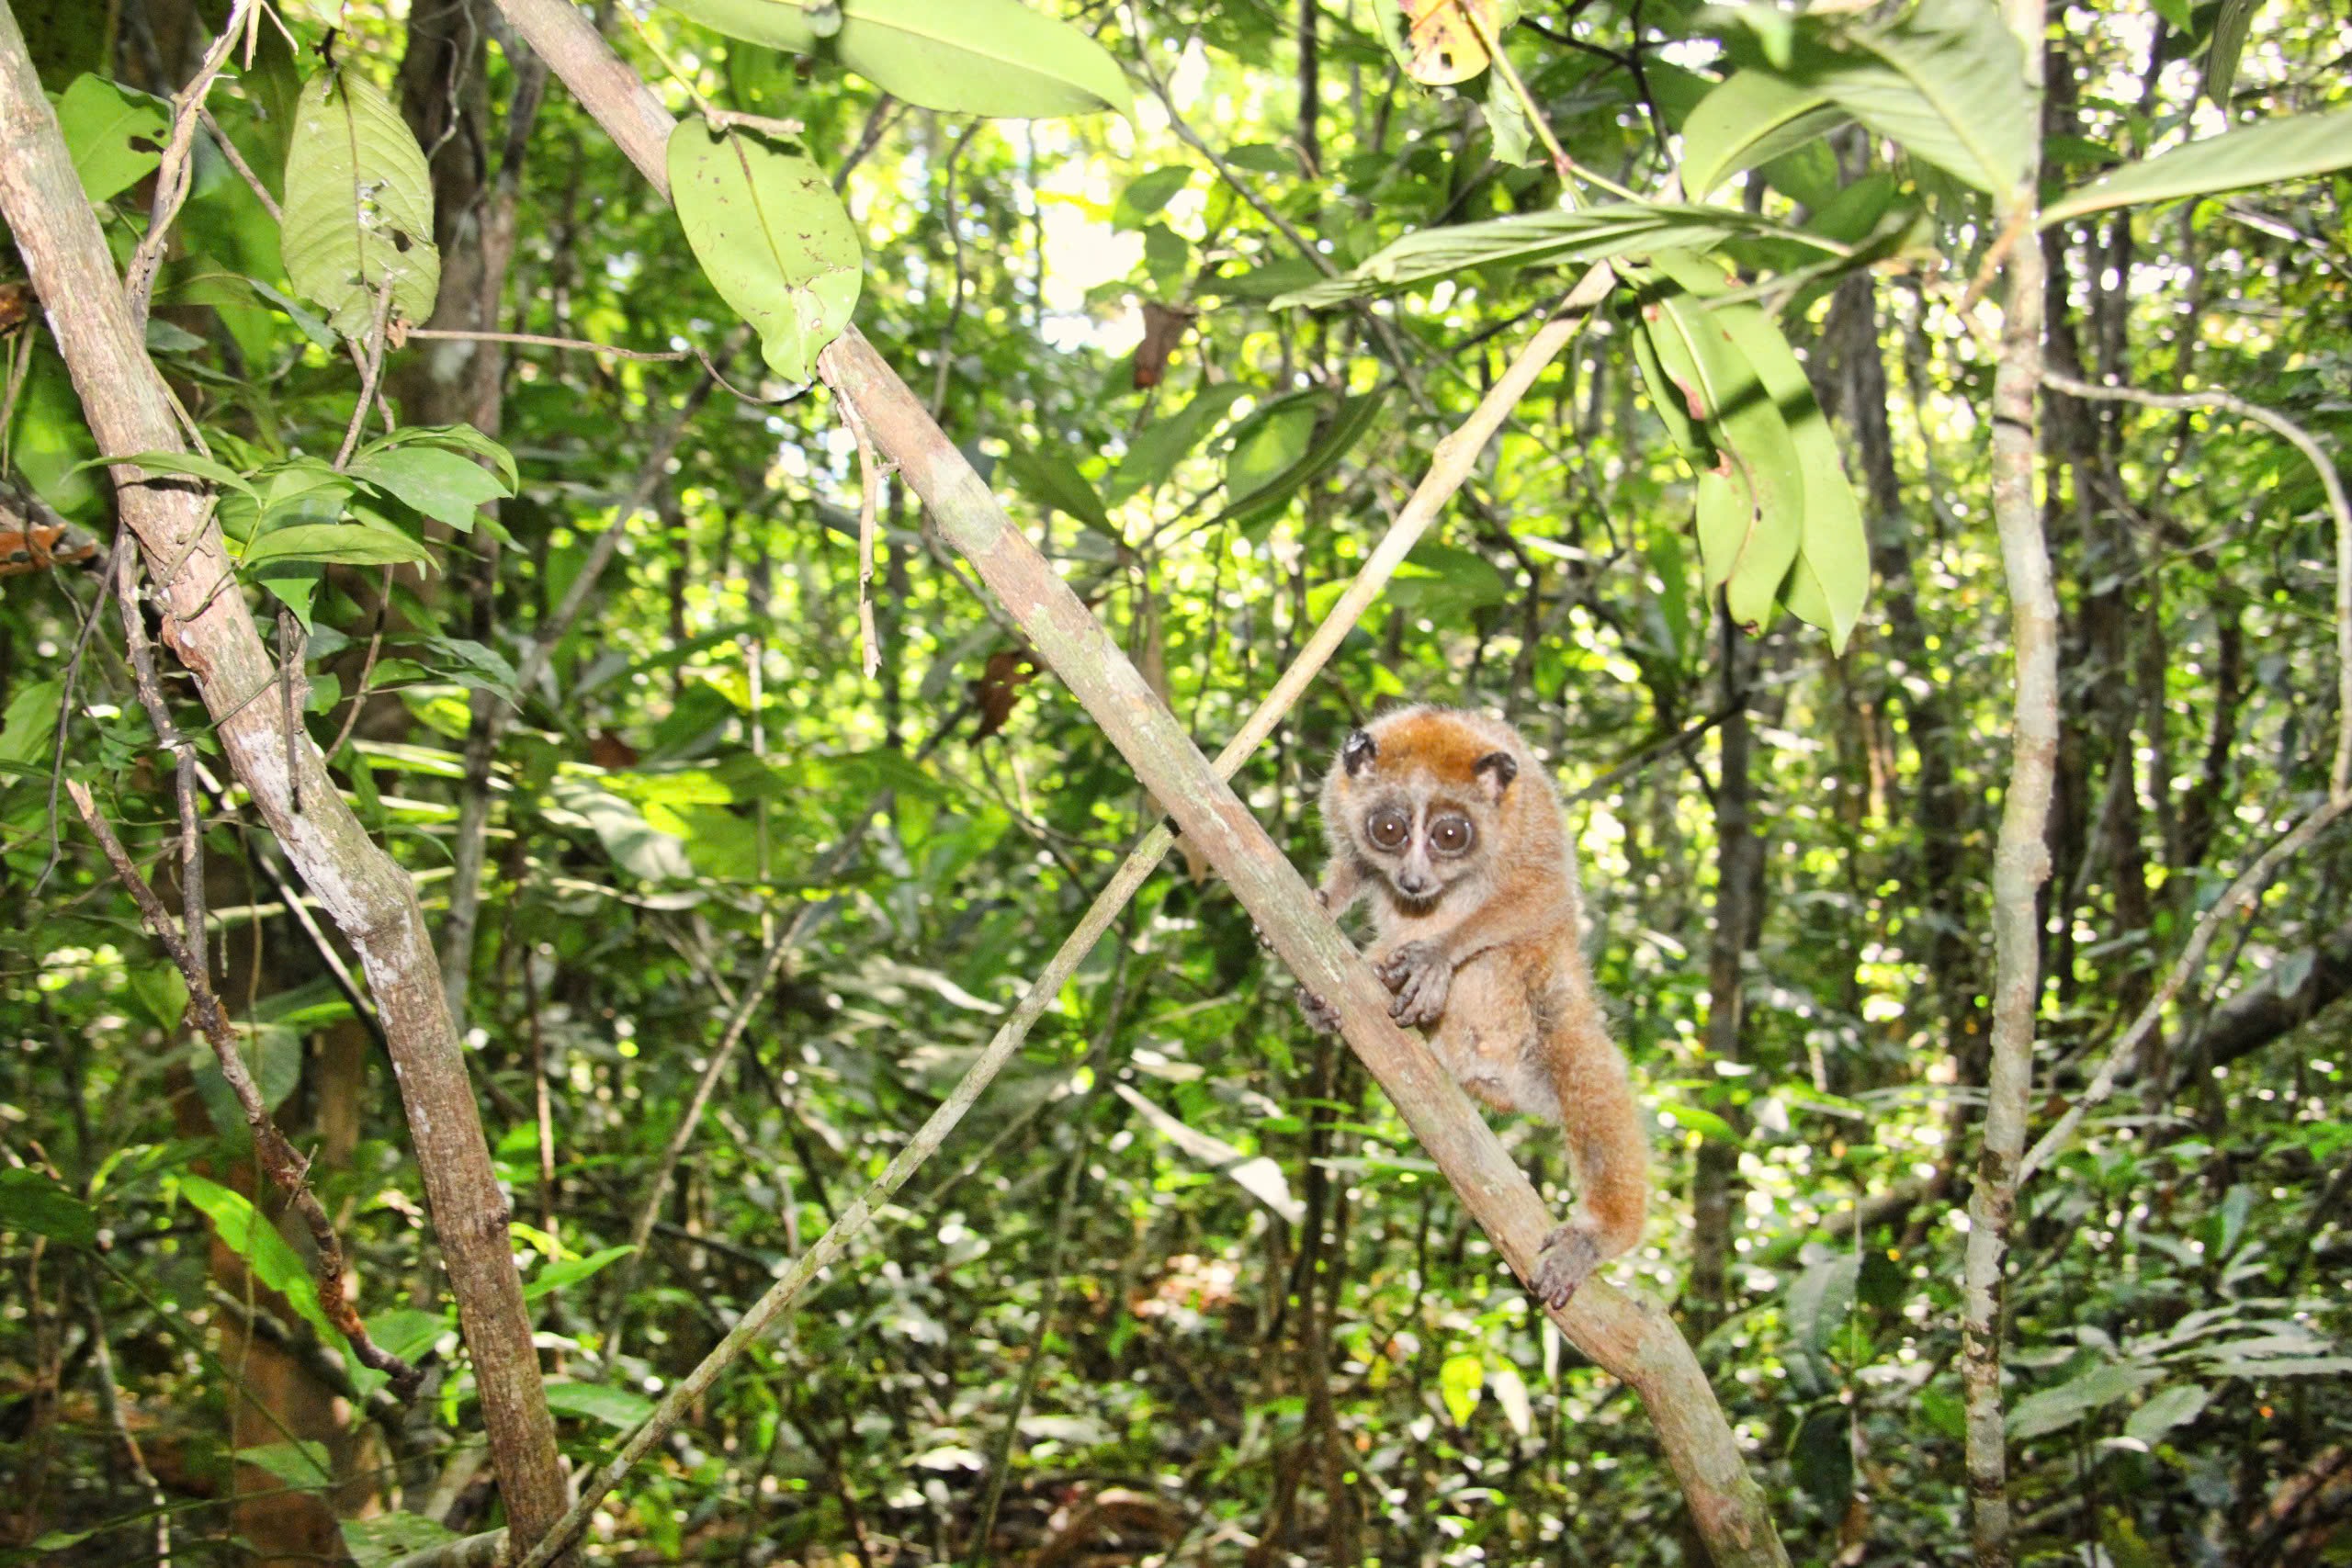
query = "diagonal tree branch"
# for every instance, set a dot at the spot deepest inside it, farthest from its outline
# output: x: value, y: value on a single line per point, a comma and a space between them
x: 1630, y: 1338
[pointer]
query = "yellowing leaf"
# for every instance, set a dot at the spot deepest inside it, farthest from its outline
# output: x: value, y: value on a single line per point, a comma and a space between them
x: 1441, y: 41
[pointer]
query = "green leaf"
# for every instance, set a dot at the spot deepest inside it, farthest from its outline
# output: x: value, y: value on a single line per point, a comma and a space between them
x: 186, y: 465
x: 1830, y: 578
x: 985, y: 56
x: 116, y: 135
x: 2276, y: 150
x: 1053, y: 482
x: 30, y: 1200
x: 299, y: 1463
x: 29, y: 729
x: 471, y: 663
x: 1147, y: 194
x: 2167, y: 1408
x: 257, y: 1241
x: 463, y: 439
x: 2230, y: 27
x: 774, y: 238
x: 1820, y: 1300
x: 161, y: 993
x: 572, y: 1270
x: 1155, y: 450
x: 354, y: 543
x: 358, y: 209
x: 374, y: 1543
x: 1461, y: 1380
x: 1349, y: 423
x: 442, y: 485
x: 1946, y: 81
x: 1595, y: 233
x: 1512, y: 132
x: 1751, y: 504
x: 1753, y: 117
x: 1271, y: 440
x: 2055, y: 1409
x: 621, y: 1409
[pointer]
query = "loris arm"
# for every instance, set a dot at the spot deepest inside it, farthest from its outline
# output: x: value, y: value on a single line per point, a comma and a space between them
x: 1344, y: 884
x: 1422, y: 971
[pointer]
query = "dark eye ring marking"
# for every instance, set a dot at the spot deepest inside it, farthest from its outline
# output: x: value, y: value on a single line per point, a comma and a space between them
x: 1452, y: 835
x: 1387, y: 828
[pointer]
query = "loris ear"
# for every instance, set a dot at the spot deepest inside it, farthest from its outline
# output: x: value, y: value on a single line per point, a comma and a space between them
x: 1357, y: 752
x: 1495, y: 769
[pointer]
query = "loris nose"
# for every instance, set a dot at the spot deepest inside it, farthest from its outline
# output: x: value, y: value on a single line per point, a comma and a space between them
x: 1415, y: 884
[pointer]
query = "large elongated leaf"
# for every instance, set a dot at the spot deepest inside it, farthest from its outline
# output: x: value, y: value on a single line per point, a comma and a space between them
x: 772, y: 237
x: 987, y: 57
x: 1948, y: 82
x: 1751, y: 504
x: 355, y: 543
x: 2259, y: 155
x: 358, y: 209
x: 1752, y: 117
x: 1595, y: 233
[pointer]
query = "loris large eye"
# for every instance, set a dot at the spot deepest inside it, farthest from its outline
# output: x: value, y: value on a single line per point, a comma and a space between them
x: 1452, y: 835
x: 1387, y: 828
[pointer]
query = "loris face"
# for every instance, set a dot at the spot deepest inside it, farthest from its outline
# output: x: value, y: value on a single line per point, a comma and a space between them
x: 1422, y: 820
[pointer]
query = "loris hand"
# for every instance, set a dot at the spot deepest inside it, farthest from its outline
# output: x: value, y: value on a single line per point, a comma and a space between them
x: 1420, y: 975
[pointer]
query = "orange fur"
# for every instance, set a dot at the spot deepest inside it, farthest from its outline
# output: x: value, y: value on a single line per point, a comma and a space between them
x: 1480, y: 943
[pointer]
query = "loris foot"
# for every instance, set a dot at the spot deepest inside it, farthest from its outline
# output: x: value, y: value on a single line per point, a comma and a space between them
x: 1569, y: 1256
x: 1321, y: 1015
x: 1418, y: 972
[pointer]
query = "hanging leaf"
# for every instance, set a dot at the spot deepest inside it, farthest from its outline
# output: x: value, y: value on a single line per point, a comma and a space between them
x: 1830, y: 578
x: 985, y: 56
x: 774, y: 238
x: 2275, y: 149
x: 2230, y: 27
x: 1154, y: 451
x: 1752, y: 117
x: 275, y: 1263
x: 1054, y: 482
x: 1751, y: 504
x: 115, y: 135
x: 1946, y: 81
x: 358, y: 209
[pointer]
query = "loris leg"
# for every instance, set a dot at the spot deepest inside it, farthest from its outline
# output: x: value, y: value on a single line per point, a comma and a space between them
x: 1608, y: 1156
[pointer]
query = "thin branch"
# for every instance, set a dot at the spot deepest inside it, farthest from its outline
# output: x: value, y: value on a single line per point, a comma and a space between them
x: 288, y: 1170
x: 540, y: 339
x: 173, y: 175
x: 2339, y: 506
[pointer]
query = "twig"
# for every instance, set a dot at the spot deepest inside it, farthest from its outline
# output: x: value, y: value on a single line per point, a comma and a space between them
x: 172, y: 175
x: 237, y: 162
x: 2243, y: 889
x: 2338, y: 504
x: 287, y: 1168
x: 370, y: 373
x: 540, y: 339
x: 869, y: 486
x: 167, y: 735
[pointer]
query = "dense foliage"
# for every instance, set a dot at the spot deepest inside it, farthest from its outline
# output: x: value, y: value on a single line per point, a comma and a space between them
x: 1184, y: 1290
